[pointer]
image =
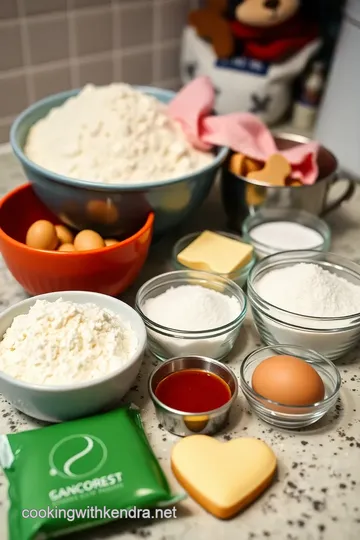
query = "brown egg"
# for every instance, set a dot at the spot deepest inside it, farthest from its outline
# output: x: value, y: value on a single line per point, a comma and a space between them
x: 88, y: 240
x: 42, y: 235
x: 288, y: 380
x: 65, y: 248
x: 110, y: 242
x: 64, y: 234
x: 104, y: 212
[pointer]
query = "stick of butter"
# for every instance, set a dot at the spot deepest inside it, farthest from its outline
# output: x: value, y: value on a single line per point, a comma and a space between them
x: 216, y: 253
x: 222, y: 477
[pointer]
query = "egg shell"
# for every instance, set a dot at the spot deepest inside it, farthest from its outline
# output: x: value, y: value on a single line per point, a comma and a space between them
x: 64, y: 234
x: 42, y: 235
x: 66, y: 248
x: 110, y: 242
x: 102, y: 212
x: 288, y: 380
x: 88, y: 240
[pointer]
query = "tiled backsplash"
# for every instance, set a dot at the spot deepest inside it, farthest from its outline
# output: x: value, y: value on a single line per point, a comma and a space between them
x: 47, y: 46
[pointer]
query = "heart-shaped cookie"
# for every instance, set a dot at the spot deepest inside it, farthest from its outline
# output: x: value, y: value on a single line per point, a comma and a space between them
x: 223, y: 477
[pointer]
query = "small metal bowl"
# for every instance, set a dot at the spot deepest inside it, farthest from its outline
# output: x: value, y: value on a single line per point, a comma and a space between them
x: 242, y: 196
x: 183, y: 423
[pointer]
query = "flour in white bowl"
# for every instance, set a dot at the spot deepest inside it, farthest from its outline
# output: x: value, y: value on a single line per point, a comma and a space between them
x: 61, y: 343
x: 113, y: 134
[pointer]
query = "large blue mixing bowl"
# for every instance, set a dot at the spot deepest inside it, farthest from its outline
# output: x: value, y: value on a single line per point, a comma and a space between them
x: 116, y: 209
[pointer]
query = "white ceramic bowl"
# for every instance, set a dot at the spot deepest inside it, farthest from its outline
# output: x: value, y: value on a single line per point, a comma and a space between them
x: 62, y: 403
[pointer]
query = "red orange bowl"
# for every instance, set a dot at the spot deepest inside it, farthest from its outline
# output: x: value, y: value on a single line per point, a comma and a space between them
x: 108, y: 270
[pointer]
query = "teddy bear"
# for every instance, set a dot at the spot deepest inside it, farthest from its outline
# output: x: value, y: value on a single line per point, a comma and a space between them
x: 267, y: 30
x: 212, y: 25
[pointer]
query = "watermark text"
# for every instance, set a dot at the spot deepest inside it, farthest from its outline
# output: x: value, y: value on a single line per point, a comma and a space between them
x: 96, y: 512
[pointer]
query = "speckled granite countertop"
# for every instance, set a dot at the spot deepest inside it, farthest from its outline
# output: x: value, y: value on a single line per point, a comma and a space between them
x: 316, y: 495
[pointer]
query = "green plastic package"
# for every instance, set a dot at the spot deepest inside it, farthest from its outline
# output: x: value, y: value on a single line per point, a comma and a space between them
x: 80, y: 474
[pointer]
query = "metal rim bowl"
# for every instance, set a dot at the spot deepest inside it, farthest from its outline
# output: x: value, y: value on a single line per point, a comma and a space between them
x: 242, y: 196
x: 183, y: 423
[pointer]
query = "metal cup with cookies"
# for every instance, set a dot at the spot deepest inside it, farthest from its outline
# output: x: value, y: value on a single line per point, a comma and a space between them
x: 249, y: 184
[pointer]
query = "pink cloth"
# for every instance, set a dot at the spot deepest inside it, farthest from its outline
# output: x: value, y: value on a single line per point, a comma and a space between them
x: 242, y: 132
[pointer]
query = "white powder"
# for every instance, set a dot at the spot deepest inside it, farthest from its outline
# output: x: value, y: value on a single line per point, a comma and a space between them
x: 113, y: 134
x: 286, y: 235
x: 60, y: 343
x: 191, y: 308
x: 308, y: 289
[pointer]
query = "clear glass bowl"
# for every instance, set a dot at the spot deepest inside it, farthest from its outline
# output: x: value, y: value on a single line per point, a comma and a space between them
x: 301, y: 217
x: 290, y: 416
x: 239, y: 276
x: 332, y: 337
x: 166, y: 342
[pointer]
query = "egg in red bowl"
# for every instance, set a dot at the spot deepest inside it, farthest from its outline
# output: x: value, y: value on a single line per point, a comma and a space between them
x: 108, y: 270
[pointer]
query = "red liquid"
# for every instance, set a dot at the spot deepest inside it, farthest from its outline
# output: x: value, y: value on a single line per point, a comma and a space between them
x: 193, y: 391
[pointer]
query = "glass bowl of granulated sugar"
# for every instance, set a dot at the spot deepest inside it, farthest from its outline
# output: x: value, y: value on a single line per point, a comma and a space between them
x: 307, y: 298
x: 190, y: 312
x: 272, y: 230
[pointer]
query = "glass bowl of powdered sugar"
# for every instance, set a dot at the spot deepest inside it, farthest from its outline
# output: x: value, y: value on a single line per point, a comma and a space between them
x: 307, y: 298
x: 191, y: 313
